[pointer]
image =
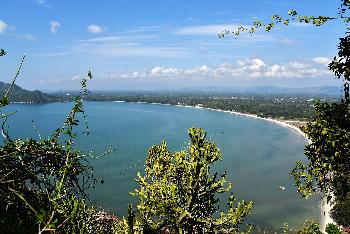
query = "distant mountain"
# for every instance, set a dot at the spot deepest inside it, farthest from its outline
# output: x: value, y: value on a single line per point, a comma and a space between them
x: 18, y: 94
x: 304, y: 90
x: 267, y: 90
x: 286, y: 90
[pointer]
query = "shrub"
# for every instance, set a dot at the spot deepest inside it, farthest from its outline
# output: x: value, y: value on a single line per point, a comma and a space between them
x: 178, y: 192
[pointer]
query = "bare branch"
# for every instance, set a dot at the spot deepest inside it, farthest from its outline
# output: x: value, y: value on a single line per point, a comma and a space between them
x: 14, y: 79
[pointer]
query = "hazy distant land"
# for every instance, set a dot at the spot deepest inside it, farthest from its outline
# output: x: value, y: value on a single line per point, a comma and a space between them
x: 263, y: 101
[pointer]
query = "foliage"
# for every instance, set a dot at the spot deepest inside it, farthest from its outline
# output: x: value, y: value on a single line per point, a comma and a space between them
x: 328, y: 154
x: 332, y: 229
x: 43, y: 182
x: 309, y: 227
x: 292, y: 16
x: 286, y: 106
x: 179, y: 193
x: 21, y: 95
x: 341, y: 212
x: 2, y: 52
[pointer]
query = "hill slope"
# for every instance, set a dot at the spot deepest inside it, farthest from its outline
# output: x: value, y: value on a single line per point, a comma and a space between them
x: 18, y: 94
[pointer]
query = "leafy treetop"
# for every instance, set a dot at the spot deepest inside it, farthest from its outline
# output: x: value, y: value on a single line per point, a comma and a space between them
x: 179, y: 192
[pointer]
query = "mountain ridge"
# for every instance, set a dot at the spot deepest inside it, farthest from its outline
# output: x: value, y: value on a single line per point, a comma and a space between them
x: 20, y: 95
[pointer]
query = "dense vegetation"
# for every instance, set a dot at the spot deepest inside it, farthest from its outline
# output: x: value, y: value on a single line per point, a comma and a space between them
x: 20, y: 95
x: 265, y: 105
x: 43, y: 182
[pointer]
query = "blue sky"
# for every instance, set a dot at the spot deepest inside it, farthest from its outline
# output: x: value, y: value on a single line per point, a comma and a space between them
x: 163, y: 44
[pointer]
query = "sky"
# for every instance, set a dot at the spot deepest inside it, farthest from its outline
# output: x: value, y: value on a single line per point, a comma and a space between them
x: 164, y: 44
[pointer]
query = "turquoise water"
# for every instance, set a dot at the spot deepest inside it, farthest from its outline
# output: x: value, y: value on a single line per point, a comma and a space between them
x: 257, y: 155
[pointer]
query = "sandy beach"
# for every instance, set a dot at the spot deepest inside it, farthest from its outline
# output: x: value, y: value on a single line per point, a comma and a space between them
x: 325, y: 217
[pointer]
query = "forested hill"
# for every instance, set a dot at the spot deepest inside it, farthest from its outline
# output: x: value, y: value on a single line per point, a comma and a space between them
x: 18, y: 94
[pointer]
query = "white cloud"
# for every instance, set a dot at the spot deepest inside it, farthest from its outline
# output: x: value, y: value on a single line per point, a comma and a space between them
x: 204, y: 68
x: 300, y: 24
x: 111, y: 47
x: 206, y: 30
x: 95, y: 29
x: 256, y: 64
x: 54, y: 25
x: 102, y: 39
x: 77, y: 77
x: 226, y: 74
x: 43, y: 3
x: 51, y: 81
x: 162, y: 71
x: 288, y: 41
x: 29, y: 37
x: 299, y: 65
x: 3, y: 27
x: 322, y: 60
x: 251, y: 64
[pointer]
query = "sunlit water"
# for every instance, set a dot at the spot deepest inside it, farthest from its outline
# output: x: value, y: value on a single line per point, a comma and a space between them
x: 257, y: 155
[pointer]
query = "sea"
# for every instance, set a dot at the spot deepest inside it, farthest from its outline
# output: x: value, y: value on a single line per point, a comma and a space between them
x: 257, y: 155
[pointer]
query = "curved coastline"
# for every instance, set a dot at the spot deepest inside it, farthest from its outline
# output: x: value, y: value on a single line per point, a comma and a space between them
x: 324, y: 207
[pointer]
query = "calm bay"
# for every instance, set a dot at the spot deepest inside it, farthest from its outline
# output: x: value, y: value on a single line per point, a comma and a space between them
x: 257, y: 155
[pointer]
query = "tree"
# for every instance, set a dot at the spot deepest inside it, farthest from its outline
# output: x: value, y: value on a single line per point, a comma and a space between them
x: 341, y: 212
x: 179, y: 193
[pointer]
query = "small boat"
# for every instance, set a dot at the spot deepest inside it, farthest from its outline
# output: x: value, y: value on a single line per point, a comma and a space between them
x: 281, y: 187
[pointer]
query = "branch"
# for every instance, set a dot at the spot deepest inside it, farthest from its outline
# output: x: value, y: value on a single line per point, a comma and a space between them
x: 17, y: 74
x: 293, y: 16
x: 2, y: 52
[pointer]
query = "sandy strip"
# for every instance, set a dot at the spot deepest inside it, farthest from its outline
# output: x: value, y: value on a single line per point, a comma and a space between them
x: 325, y: 215
x: 275, y: 121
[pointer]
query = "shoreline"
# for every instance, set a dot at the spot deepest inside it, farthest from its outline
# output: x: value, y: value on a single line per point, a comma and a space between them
x: 324, y: 207
x: 283, y: 123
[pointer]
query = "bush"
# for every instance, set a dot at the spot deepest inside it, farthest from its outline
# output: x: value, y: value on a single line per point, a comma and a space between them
x: 309, y: 227
x: 332, y: 229
x: 178, y: 192
x: 43, y: 182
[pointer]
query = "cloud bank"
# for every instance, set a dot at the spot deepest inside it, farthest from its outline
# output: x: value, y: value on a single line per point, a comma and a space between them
x: 248, y: 69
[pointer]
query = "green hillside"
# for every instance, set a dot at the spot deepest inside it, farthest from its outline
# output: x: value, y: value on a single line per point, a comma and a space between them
x: 18, y: 94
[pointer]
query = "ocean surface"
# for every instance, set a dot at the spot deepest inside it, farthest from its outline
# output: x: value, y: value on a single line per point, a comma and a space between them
x: 257, y: 155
